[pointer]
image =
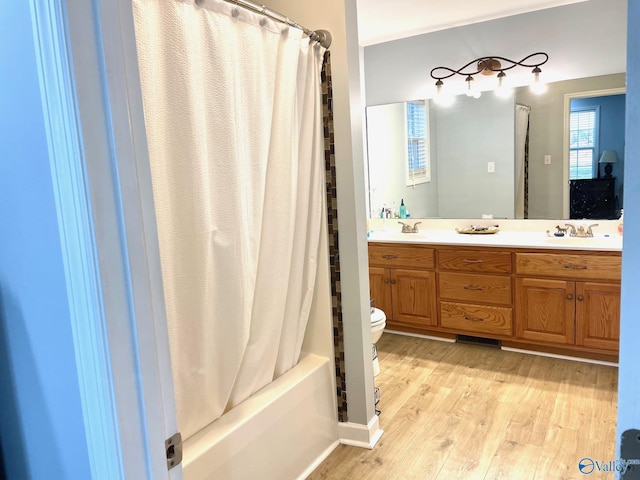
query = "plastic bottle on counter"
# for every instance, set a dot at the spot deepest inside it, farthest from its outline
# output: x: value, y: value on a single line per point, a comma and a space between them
x: 403, y: 209
x: 620, y: 222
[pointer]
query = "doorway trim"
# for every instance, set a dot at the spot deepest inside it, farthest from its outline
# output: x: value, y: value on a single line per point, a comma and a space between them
x: 92, y: 111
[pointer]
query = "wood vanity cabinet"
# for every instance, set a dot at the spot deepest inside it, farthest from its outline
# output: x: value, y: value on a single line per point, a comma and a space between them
x: 565, y: 302
x: 558, y: 301
x: 402, y: 283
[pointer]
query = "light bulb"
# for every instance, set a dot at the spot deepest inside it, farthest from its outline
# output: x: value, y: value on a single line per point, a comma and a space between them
x: 537, y: 86
x: 503, y: 91
x: 471, y: 92
x: 439, y: 84
x: 442, y: 98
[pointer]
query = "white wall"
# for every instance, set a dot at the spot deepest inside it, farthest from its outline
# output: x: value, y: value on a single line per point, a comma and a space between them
x: 387, y: 151
x: 387, y: 160
x: 469, y: 134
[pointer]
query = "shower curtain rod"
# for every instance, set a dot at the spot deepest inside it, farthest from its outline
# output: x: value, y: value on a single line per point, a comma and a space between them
x: 323, y: 37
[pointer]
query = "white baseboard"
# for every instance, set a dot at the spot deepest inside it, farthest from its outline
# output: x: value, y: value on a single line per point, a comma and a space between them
x: 555, y: 355
x: 358, y: 435
x: 419, y: 335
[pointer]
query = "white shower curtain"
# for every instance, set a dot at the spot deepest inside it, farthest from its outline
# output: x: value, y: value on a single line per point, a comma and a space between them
x: 522, y: 125
x: 233, y: 111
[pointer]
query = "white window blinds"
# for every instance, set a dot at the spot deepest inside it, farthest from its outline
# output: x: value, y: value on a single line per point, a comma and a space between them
x: 418, y: 168
x: 582, y: 143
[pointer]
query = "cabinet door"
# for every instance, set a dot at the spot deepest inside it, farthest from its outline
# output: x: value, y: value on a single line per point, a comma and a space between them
x: 545, y: 310
x: 380, y: 290
x: 598, y: 315
x: 413, y: 293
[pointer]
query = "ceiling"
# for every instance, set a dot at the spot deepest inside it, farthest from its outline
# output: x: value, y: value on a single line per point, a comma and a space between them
x: 384, y: 20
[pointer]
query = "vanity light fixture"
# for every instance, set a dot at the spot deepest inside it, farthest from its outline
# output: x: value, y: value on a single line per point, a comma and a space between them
x: 491, y: 66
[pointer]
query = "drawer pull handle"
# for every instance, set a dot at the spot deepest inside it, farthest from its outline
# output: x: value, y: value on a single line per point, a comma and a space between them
x: 569, y: 297
x: 473, y: 287
x: 393, y: 282
x: 473, y: 319
x: 580, y: 298
x: 389, y: 257
x: 466, y: 260
x: 386, y: 280
x: 575, y: 267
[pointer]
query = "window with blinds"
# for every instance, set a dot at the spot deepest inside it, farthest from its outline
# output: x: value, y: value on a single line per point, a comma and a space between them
x: 583, y: 143
x: 418, y: 168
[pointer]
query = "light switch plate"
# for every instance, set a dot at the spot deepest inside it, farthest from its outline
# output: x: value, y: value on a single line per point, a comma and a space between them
x: 547, y: 159
x: 491, y: 167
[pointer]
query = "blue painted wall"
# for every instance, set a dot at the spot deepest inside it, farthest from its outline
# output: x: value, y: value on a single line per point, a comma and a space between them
x: 629, y: 376
x: 41, y: 427
x: 611, y: 136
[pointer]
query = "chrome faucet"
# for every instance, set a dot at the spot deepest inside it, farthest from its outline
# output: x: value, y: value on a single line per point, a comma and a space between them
x: 572, y: 229
x: 580, y: 231
x: 406, y: 228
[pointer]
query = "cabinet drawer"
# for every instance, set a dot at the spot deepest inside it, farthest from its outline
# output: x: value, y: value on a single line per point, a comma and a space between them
x: 476, y: 318
x: 469, y: 287
x: 474, y: 261
x: 401, y: 256
x: 590, y: 267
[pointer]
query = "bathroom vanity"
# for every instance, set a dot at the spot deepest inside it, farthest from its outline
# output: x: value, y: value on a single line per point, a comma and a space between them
x: 522, y: 290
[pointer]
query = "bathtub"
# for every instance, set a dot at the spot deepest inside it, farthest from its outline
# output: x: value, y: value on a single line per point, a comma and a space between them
x: 281, y: 432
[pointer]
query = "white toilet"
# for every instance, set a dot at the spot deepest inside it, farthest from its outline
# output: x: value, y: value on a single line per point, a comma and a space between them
x: 378, y: 322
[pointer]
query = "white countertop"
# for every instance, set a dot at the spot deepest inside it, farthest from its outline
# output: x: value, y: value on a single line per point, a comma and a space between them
x: 503, y: 238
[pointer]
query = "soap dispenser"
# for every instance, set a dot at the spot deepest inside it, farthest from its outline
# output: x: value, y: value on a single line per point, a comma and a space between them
x: 403, y: 209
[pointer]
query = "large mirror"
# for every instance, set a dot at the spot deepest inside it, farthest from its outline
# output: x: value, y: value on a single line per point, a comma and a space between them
x: 526, y: 156
x: 464, y: 142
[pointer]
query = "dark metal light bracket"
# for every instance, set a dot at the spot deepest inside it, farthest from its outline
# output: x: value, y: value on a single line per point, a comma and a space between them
x: 490, y: 65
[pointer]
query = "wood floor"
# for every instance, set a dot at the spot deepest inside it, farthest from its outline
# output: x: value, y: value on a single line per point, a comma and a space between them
x: 456, y: 411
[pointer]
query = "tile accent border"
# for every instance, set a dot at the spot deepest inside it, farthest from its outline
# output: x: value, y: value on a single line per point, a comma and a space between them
x: 332, y: 220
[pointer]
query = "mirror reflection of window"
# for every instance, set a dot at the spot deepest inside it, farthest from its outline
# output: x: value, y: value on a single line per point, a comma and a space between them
x: 418, y: 165
x: 583, y: 143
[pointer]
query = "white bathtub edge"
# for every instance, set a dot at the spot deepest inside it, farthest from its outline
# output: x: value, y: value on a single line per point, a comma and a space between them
x: 358, y: 435
x: 321, y: 458
x: 295, y: 413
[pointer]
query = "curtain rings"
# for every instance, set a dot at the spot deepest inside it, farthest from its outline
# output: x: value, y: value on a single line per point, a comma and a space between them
x: 263, y: 20
x: 236, y: 11
x: 285, y: 27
